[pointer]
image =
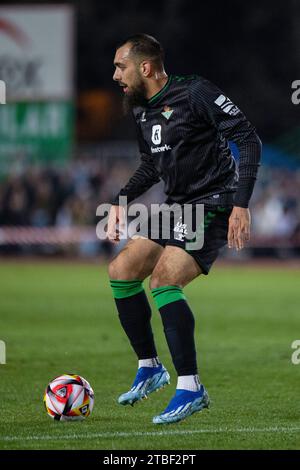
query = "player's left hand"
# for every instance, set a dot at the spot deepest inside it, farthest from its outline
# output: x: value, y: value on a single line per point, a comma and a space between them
x: 239, y: 227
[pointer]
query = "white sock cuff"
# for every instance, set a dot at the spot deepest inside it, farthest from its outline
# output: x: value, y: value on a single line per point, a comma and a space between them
x: 189, y: 382
x: 151, y: 362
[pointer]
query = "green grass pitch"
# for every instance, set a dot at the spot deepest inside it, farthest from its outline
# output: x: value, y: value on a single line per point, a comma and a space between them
x: 60, y: 318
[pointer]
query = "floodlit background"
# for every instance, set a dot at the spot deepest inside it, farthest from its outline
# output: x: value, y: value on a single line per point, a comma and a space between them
x: 65, y: 148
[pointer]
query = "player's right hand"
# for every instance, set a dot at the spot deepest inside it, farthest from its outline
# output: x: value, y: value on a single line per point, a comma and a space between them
x: 116, y: 217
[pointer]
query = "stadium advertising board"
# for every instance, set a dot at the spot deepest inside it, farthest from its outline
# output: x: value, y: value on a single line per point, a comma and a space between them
x: 36, y: 50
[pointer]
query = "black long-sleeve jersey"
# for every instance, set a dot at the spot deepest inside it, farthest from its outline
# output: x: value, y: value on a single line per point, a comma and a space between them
x: 183, y: 135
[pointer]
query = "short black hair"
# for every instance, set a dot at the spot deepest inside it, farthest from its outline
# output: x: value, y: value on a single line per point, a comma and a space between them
x: 145, y: 46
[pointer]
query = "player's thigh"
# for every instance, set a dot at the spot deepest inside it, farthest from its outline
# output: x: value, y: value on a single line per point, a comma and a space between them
x: 174, y: 267
x: 136, y: 260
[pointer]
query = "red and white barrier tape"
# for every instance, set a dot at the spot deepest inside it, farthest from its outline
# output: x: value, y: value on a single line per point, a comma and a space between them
x: 79, y: 234
x: 46, y: 235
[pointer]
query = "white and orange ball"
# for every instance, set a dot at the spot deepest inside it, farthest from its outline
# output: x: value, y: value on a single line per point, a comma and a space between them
x: 69, y: 398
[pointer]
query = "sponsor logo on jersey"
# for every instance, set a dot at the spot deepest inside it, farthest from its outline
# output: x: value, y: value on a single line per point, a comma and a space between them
x: 160, y: 149
x: 167, y: 112
x: 156, y: 139
x: 156, y: 134
x: 227, y: 105
x: 143, y: 118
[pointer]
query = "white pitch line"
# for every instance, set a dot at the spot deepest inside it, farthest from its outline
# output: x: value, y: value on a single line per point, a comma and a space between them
x: 99, y: 435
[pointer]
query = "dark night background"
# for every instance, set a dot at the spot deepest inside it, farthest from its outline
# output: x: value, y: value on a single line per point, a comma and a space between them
x: 250, y: 50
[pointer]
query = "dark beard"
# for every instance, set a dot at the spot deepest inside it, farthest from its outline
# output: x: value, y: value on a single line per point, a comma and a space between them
x: 137, y: 97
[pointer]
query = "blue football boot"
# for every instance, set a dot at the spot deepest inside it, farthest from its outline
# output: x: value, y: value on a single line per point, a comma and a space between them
x: 182, y: 405
x: 148, y: 380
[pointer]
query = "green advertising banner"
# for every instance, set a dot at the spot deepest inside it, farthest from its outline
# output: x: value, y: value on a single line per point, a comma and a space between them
x: 35, y: 131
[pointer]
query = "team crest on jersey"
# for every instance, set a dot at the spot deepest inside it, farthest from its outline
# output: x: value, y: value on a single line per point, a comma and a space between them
x: 156, y: 134
x: 167, y: 112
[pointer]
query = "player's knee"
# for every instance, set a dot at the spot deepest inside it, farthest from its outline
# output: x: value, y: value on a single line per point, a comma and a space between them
x: 117, y: 270
x: 159, y: 279
x: 154, y: 283
x: 112, y: 270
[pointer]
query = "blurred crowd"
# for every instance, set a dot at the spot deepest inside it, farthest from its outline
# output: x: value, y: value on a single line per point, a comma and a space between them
x: 276, y: 203
x: 69, y: 196
x: 42, y: 196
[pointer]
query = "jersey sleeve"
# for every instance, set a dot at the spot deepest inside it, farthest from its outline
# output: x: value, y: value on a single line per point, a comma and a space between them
x: 144, y: 177
x: 209, y: 103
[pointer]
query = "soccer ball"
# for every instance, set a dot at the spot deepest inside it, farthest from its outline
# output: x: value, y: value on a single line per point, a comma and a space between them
x: 69, y: 397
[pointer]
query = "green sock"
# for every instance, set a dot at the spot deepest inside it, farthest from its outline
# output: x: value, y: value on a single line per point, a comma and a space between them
x: 122, y: 289
x: 167, y: 294
x: 135, y: 316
